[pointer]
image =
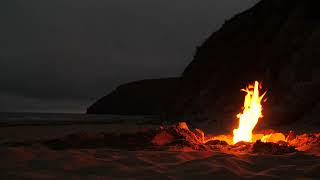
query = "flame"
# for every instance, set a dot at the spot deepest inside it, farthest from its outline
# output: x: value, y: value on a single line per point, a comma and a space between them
x: 274, y: 137
x: 265, y: 138
x: 252, y: 111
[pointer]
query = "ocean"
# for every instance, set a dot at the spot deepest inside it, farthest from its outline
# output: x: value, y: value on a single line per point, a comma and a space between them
x: 26, y: 119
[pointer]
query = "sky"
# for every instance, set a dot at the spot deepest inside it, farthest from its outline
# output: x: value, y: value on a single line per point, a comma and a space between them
x: 63, y: 55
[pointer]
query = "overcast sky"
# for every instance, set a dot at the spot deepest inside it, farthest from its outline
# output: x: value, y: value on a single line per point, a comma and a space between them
x: 61, y: 55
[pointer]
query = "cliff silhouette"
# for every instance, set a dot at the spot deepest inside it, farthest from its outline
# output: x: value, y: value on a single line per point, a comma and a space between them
x: 276, y: 42
x: 146, y: 97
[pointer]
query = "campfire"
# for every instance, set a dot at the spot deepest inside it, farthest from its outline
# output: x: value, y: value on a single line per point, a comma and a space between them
x: 242, y: 139
x: 179, y: 137
x: 249, y: 118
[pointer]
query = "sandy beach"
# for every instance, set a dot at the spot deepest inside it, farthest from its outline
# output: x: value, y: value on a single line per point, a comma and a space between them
x: 43, y: 163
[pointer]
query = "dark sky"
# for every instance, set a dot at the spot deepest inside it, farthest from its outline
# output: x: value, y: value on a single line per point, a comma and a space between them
x: 61, y: 55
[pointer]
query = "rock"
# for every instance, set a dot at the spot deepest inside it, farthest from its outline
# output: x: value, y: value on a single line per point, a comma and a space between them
x: 146, y: 97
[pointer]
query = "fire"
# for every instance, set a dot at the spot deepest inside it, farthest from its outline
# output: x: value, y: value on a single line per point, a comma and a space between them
x: 252, y: 111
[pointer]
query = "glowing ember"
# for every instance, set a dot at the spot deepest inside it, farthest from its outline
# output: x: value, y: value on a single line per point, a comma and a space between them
x: 252, y: 111
x: 265, y: 138
x: 275, y: 137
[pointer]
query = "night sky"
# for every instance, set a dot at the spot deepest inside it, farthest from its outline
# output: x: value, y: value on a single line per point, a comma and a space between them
x: 62, y: 55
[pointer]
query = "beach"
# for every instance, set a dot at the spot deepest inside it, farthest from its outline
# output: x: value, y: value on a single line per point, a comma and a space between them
x: 37, y: 161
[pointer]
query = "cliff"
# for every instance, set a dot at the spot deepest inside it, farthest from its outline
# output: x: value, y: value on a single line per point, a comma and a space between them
x: 276, y: 42
x: 146, y: 97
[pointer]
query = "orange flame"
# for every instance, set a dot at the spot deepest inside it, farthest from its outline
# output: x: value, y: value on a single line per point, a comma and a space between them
x: 252, y: 111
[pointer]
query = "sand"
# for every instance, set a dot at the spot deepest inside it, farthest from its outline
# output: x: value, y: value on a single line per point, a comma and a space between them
x: 26, y: 163
x: 39, y: 162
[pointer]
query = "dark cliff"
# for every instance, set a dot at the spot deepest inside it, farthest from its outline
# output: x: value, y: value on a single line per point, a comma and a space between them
x: 147, y: 97
x: 276, y: 42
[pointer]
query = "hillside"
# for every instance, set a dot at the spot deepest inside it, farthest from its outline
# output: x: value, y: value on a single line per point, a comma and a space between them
x: 276, y: 42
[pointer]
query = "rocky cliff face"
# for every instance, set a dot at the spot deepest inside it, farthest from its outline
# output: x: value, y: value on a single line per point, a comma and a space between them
x: 276, y: 42
x: 147, y: 97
